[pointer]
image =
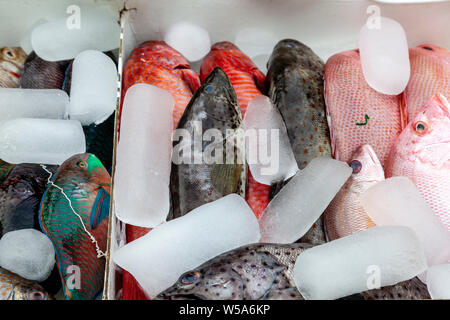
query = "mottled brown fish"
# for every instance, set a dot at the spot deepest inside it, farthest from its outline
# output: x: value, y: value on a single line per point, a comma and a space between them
x: 264, y: 272
x: 214, y: 106
x: 14, y: 287
x: 11, y: 66
x: 295, y: 85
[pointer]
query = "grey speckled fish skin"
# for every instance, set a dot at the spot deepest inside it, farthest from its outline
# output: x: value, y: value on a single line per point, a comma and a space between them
x: 20, y: 197
x: 214, y: 105
x: 295, y: 85
x: 265, y: 272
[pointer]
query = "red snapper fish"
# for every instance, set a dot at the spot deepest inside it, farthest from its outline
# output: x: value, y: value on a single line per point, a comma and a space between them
x: 248, y: 82
x: 357, y: 114
x: 430, y: 75
x: 422, y: 153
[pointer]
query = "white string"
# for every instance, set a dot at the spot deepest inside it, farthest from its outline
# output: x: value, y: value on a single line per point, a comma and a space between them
x: 100, y: 253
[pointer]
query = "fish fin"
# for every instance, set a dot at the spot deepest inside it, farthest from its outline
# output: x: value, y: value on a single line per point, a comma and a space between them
x: 226, y: 177
x: 403, y: 103
x: 192, y: 79
x: 260, y: 79
x: 100, y: 209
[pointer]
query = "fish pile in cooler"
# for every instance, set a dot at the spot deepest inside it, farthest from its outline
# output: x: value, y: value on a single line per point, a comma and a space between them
x: 309, y: 180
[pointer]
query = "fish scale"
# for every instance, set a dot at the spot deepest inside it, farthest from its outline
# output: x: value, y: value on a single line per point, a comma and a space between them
x: 83, y: 179
x: 247, y: 81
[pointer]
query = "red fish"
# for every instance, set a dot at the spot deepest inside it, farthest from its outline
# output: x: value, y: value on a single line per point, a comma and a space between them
x: 156, y: 63
x: 248, y: 82
x: 430, y: 75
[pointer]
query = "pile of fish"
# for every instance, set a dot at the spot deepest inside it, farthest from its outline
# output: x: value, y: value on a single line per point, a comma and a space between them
x: 327, y: 111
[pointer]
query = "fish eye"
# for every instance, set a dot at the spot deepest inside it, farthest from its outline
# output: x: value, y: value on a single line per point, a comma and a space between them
x: 290, y: 44
x: 37, y: 295
x: 420, y: 127
x: 190, y: 277
x: 209, y: 88
x: 82, y: 164
x: 9, y: 53
x: 427, y: 48
x: 355, y: 165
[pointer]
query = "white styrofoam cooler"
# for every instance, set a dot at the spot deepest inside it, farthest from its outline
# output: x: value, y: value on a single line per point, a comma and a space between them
x: 327, y: 26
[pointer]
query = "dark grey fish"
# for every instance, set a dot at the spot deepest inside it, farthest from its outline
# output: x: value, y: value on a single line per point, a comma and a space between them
x: 295, y: 85
x: 213, y: 106
x: 42, y: 74
x: 264, y: 272
x: 20, y: 197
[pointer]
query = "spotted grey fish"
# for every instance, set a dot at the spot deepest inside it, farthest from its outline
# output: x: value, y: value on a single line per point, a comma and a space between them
x: 213, y: 106
x: 295, y: 85
x: 20, y: 196
x: 14, y: 287
x: 264, y: 272
x: 11, y: 66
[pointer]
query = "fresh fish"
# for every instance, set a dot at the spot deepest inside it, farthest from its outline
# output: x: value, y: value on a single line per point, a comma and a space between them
x: 20, y: 195
x: 5, y: 169
x: 14, y: 287
x: 430, y: 75
x: 422, y: 153
x: 86, y: 183
x: 11, y: 66
x: 345, y: 214
x: 357, y: 114
x: 248, y: 82
x: 156, y: 63
x: 295, y: 83
x: 41, y: 74
x: 263, y: 272
x: 100, y: 140
x: 214, y: 106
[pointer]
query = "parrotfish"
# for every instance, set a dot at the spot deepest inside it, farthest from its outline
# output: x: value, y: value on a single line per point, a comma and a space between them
x: 14, y: 287
x: 357, y: 114
x: 5, y: 169
x: 213, y: 106
x: 20, y: 195
x: 78, y: 228
x: 430, y: 75
x: 345, y: 214
x: 264, y: 272
x: 11, y: 66
x: 248, y: 82
x: 422, y: 153
x: 295, y: 85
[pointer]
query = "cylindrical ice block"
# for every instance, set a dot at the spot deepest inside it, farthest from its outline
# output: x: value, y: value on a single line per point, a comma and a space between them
x: 84, y: 29
x: 32, y: 103
x: 377, y: 257
x: 438, y: 281
x: 40, y: 140
x: 396, y: 201
x: 143, y: 157
x: 93, y: 92
x: 302, y: 200
x: 157, y: 259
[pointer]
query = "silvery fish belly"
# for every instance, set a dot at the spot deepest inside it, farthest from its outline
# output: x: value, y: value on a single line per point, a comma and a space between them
x: 197, y: 176
x: 295, y: 83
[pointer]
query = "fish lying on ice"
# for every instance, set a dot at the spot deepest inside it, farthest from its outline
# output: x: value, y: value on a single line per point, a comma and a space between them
x: 14, y: 287
x: 11, y: 66
x: 422, y: 153
x: 345, y: 215
x: 248, y: 82
x: 263, y: 272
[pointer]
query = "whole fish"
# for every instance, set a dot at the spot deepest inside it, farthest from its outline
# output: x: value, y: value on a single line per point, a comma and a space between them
x: 263, y: 272
x: 357, y: 114
x: 430, y: 75
x: 14, y: 287
x: 422, y: 153
x: 20, y: 195
x: 213, y: 106
x: 41, y: 74
x: 11, y: 66
x: 295, y: 83
x: 72, y: 226
x: 248, y: 82
x: 345, y: 214
x: 156, y: 63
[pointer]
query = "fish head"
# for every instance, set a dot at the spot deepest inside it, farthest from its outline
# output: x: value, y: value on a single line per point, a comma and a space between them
x: 15, y: 56
x: 366, y: 165
x: 28, y: 290
x: 161, y: 54
x: 427, y: 136
x: 432, y: 50
x: 224, y: 45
